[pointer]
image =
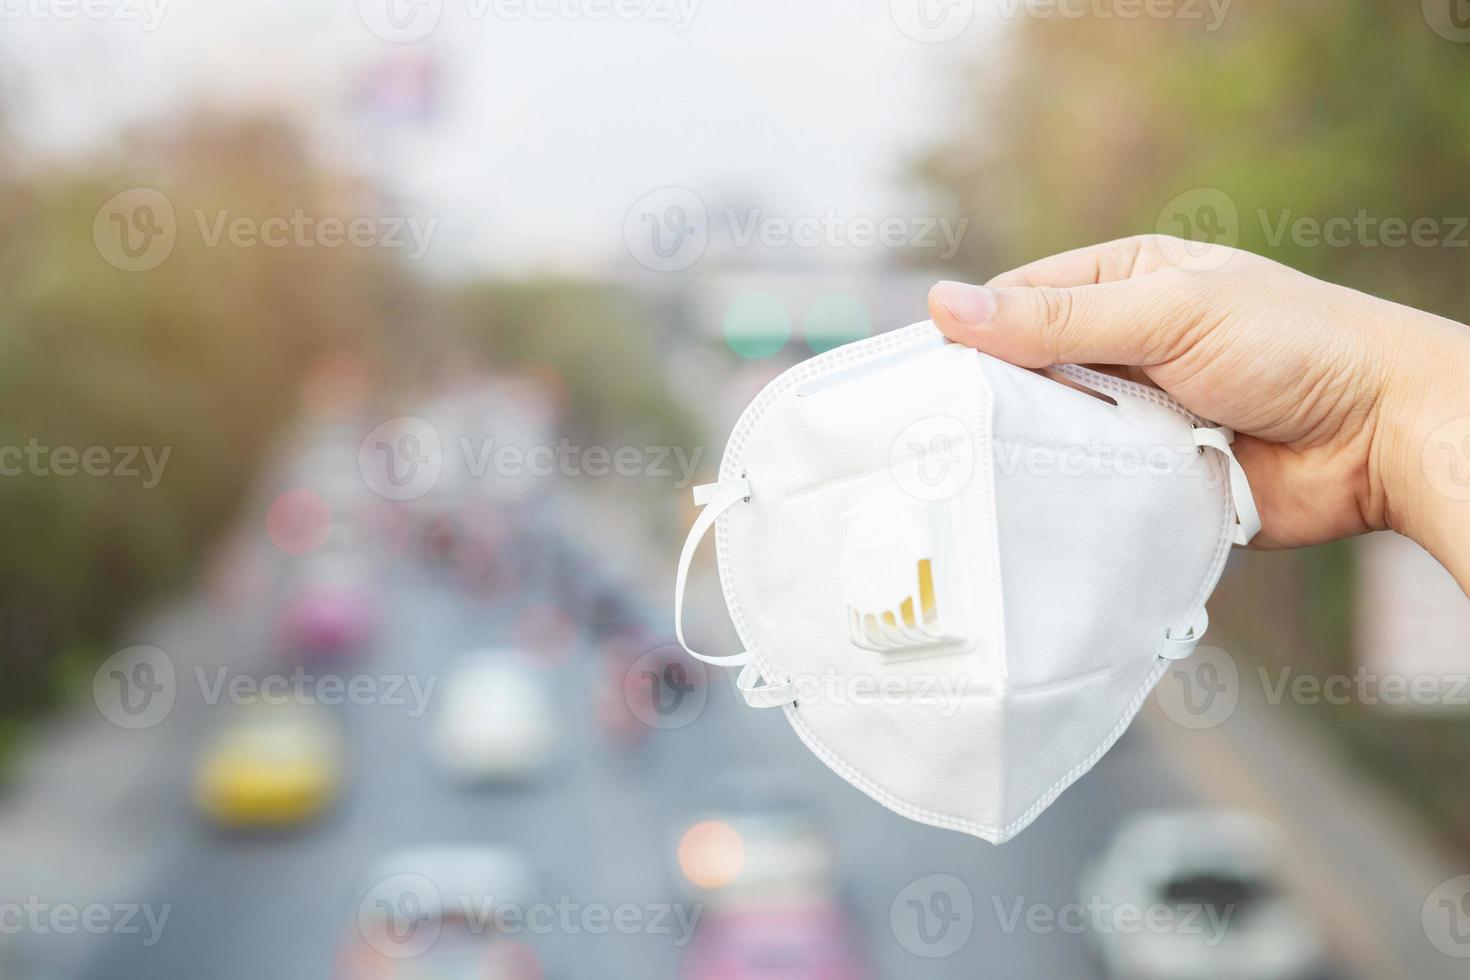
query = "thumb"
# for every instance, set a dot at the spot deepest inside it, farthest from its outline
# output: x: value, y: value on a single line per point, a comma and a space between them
x: 1133, y: 322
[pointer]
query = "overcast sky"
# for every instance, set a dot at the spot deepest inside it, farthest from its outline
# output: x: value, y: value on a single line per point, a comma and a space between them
x: 548, y: 129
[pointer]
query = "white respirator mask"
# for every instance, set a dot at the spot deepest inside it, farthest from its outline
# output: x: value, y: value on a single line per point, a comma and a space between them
x: 959, y: 578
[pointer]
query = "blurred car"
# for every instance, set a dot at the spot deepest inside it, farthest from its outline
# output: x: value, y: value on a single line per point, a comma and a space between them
x: 764, y: 869
x: 807, y: 942
x: 331, y: 612
x: 455, y: 955
x: 760, y: 845
x: 461, y: 892
x: 639, y: 672
x: 473, y: 421
x: 1213, y: 878
x: 272, y: 766
x: 496, y: 720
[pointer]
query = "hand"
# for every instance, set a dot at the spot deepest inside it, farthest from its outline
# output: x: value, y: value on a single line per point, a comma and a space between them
x: 1333, y: 393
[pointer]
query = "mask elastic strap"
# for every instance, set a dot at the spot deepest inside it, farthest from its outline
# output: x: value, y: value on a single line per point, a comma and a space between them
x: 1180, y: 643
x: 767, y: 695
x: 1247, y: 516
x: 715, y: 499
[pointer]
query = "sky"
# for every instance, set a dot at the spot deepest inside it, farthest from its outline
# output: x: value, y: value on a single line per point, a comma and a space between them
x: 548, y: 124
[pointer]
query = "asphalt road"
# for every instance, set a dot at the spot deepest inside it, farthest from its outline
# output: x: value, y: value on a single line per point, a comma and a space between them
x: 600, y: 827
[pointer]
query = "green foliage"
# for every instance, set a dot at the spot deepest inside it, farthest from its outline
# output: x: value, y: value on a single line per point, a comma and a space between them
x: 199, y: 358
x: 1084, y: 131
x: 590, y: 340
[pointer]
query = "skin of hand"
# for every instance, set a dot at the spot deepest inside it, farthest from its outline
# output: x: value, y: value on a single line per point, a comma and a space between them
x: 1352, y: 413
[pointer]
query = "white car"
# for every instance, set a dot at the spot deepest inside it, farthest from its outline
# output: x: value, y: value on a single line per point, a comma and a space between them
x: 1197, y: 895
x: 496, y: 721
x: 454, y: 883
x: 437, y: 911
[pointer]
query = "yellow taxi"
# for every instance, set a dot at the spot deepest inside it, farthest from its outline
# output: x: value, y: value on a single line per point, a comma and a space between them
x: 273, y: 766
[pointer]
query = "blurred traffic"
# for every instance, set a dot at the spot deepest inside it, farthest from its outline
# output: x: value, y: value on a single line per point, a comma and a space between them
x: 466, y: 746
x: 359, y: 360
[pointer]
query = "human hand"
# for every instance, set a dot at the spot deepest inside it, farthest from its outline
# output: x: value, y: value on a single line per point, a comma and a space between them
x: 1334, y: 394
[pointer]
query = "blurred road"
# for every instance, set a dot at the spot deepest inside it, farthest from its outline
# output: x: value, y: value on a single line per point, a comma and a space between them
x: 601, y: 829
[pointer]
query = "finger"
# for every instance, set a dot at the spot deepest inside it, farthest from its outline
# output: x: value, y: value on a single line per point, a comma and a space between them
x: 1134, y: 322
x: 1123, y: 258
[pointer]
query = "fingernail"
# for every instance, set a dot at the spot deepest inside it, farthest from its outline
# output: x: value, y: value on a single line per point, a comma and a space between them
x: 969, y: 304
